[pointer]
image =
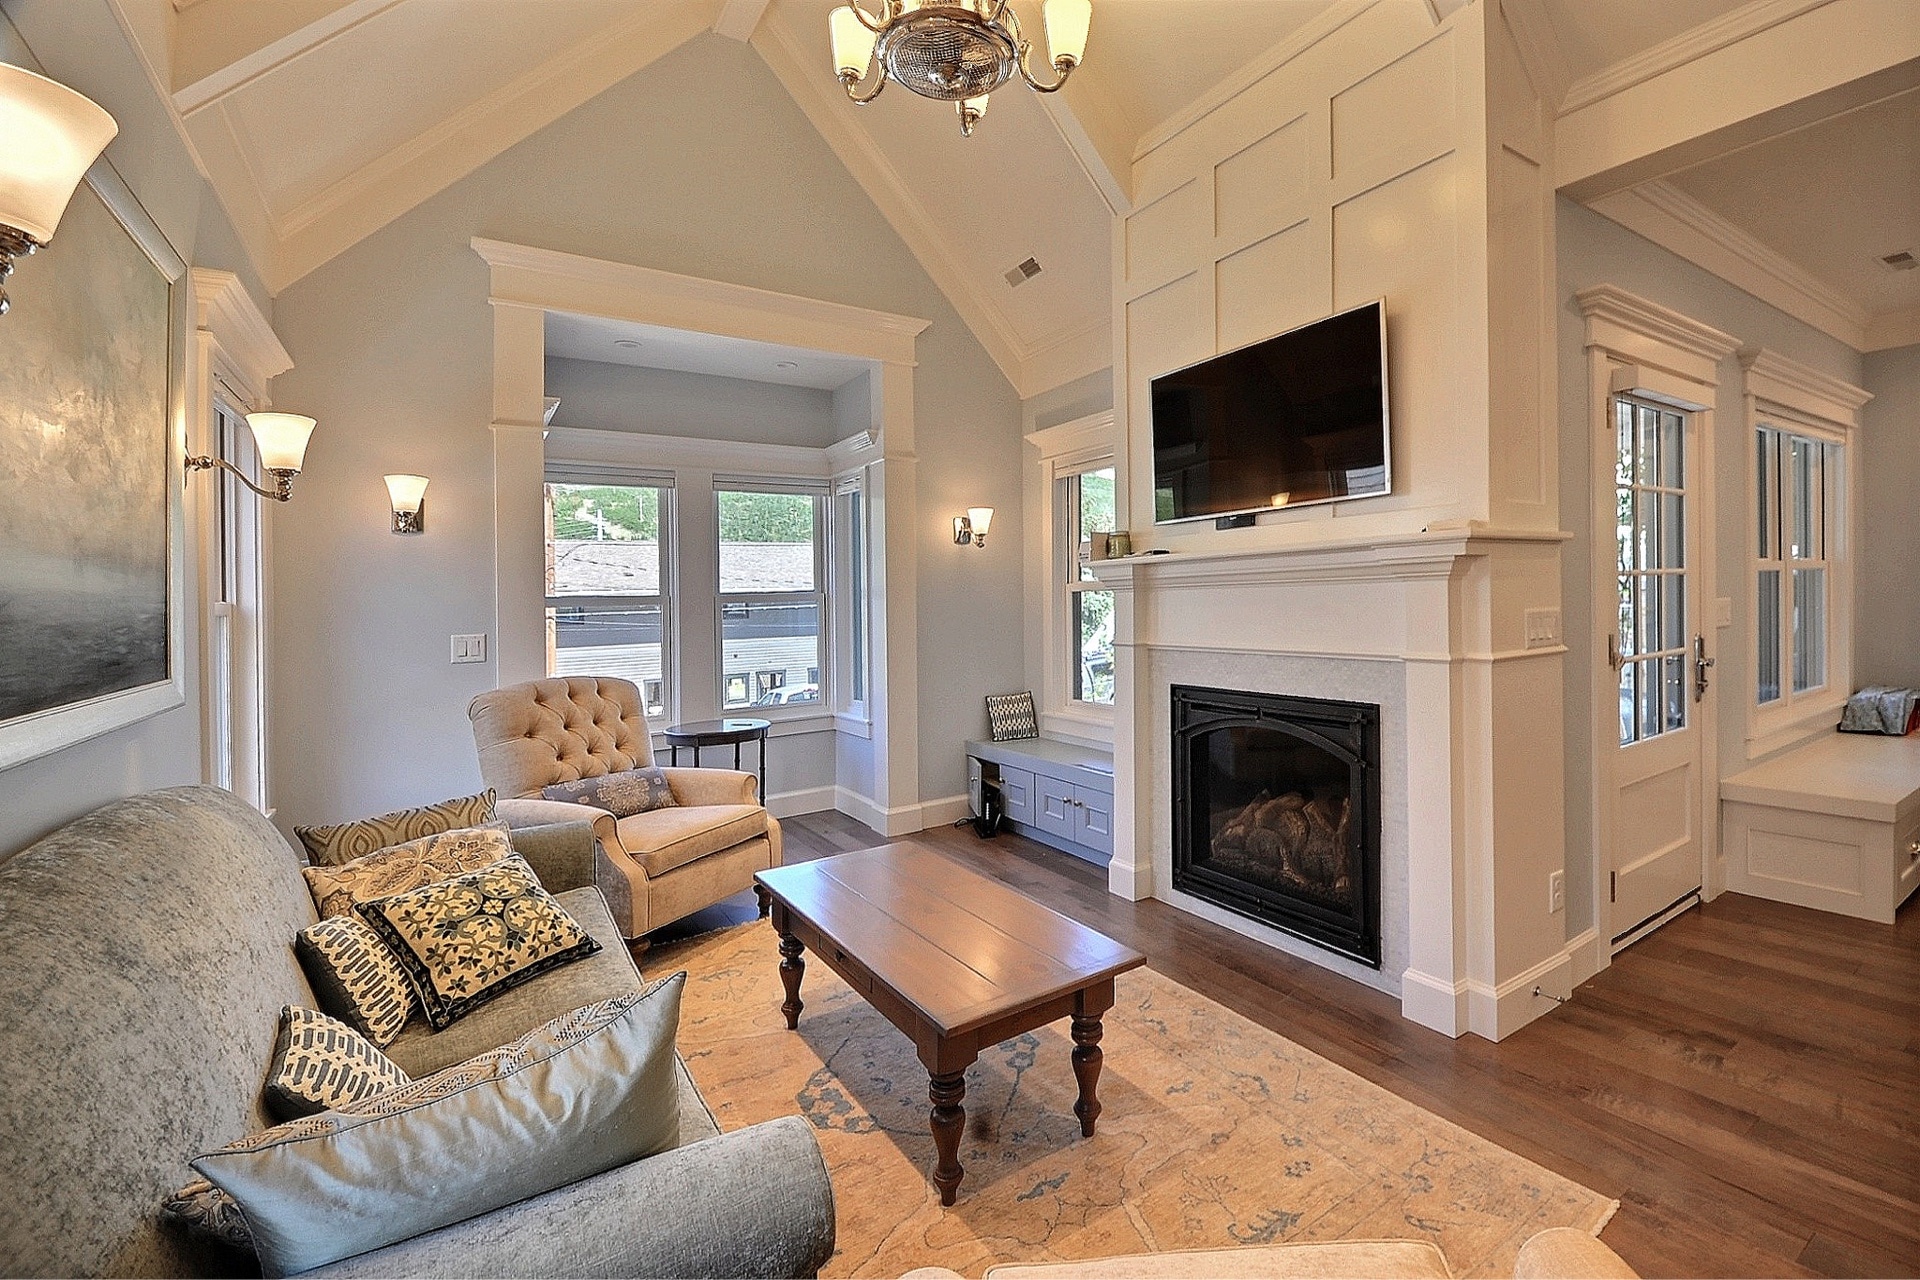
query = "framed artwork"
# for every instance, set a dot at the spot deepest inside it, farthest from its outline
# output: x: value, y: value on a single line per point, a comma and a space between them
x: 1010, y: 717
x: 92, y: 539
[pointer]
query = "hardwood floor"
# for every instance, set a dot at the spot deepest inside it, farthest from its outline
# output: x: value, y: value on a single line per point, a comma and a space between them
x: 1746, y: 1081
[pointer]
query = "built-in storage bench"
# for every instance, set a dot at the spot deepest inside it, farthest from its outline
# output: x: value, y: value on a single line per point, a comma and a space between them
x: 1055, y: 792
x: 1834, y: 824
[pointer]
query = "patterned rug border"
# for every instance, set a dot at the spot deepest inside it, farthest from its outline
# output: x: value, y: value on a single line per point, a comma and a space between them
x: 1601, y: 1214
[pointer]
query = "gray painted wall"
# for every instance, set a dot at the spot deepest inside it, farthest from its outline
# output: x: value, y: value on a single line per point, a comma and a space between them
x: 1593, y: 250
x: 78, y: 43
x: 702, y: 165
x: 1887, y: 586
x: 599, y: 396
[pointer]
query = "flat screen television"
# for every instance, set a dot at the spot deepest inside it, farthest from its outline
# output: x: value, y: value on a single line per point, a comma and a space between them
x: 1292, y: 420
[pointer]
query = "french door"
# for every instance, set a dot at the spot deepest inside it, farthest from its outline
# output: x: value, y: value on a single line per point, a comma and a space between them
x: 1658, y: 652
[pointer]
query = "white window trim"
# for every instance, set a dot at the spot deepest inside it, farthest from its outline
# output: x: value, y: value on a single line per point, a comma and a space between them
x: 1071, y: 448
x: 1787, y: 395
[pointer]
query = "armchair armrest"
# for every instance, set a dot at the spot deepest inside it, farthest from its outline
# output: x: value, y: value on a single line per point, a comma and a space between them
x: 561, y: 853
x: 713, y: 786
x: 756, y: 1202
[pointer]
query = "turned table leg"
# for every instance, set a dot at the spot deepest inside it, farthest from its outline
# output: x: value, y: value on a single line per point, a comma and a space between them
x: 1086, y: 1069
x: 792, y: 967
x: 766, y: 900
x: 948, y: 1120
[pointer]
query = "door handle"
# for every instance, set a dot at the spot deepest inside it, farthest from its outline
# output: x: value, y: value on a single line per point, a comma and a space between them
x: 1701, y: 665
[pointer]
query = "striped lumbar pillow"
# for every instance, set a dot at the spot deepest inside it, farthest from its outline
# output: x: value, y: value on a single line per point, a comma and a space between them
x: 356, y: 977
x: 320, y: 1063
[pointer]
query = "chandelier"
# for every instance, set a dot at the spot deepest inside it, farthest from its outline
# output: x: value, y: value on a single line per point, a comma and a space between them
x: 956, y: 51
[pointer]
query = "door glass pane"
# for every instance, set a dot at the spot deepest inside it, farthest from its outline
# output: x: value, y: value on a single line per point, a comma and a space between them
x: 1673, y: 611
x: 1809, y: 629
x: 766, y: 541
x: 609, y: 642
x: 1673, y: 458
x: 603, y: 540
x: 1649, y: 680
x: 1650, y: 504
x: 1627, y: 614
x: 1623, y: 531
x: 1646, y: 603
x: 1767, y: 628
x: 770, y: 654
x: 1673, y: 531
x: 1093, y: 625
x: 1623, y: 449
x: 1627, y: 703
x: 1646, y: 467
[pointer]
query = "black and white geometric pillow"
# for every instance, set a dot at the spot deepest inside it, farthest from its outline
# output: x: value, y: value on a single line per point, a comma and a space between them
x: 320, y: 1063
x: 356, y: 977
x: 1010, y: 717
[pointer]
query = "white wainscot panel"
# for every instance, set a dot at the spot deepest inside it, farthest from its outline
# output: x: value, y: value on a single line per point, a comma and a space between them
x: 1396, y: 118
x: 1166, y: 236
x: 1272, y: 286
x: 1398, y: 241
x: 1166, y: 329
x: 1264, y: 187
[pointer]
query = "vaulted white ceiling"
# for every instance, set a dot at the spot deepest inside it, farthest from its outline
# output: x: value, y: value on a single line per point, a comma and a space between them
x: 320, y: 121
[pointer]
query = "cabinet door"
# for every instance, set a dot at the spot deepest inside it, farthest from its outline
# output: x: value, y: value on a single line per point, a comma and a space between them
x: 1016, y: 790
x: 1093, y: 819
x: 1058, y: 814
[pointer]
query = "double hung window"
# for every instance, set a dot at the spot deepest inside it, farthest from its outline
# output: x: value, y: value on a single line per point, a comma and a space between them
x: 772, y: 597
x: 1798, y: 522
x: 609, y: 559
x: 1084, y: 500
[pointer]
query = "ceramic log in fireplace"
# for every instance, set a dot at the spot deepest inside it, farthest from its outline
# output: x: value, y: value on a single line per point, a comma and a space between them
x: 1276, y: 812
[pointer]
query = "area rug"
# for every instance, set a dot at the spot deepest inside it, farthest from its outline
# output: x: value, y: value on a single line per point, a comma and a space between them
x: 1215, y: 1132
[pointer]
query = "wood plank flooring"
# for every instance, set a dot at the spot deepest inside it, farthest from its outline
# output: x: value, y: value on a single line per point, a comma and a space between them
x: 1746, y: 1081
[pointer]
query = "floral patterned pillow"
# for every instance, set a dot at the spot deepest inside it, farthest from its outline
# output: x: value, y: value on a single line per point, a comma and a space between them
x: 405, y: 866
x: 621, y: 794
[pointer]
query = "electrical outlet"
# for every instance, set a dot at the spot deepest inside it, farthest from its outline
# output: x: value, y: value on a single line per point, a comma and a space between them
x: 1557, y: 892
x: 470, y: 648
x: 1543, y: 628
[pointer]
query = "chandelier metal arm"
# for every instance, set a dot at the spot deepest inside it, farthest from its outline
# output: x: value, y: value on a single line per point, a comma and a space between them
x: 851, y: 83
x: 1062, y: 67
x: 867, y: 20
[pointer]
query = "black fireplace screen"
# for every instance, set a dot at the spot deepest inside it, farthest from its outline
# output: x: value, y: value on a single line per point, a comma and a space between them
x: 1276, y: 812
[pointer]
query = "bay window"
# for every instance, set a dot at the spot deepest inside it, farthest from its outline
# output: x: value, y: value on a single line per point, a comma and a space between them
x: 772, y: 594
x: 609, y: 548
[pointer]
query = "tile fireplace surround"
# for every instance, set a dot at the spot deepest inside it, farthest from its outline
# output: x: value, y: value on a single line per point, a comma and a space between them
x: 1427, y: 627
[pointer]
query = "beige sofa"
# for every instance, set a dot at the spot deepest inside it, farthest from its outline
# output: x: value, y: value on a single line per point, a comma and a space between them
x: 1560, y: 1253
x: 654, y: 867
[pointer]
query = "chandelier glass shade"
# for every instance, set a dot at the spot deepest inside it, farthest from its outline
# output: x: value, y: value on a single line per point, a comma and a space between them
x: 956, y: 51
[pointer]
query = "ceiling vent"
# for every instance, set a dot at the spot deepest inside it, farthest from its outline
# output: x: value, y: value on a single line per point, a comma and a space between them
x: 1902, y: 261
x: 1023, y: 273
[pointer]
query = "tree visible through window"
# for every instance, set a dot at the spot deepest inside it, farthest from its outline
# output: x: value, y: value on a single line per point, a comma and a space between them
x: 1088, y: 504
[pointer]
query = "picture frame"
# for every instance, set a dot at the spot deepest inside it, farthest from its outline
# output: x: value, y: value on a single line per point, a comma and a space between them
x: 90, y: 336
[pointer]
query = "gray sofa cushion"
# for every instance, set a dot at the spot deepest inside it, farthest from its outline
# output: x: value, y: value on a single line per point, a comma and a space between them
x: 145, y: 953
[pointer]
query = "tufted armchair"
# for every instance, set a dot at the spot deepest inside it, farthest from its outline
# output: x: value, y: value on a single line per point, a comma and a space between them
x: 653, y: 867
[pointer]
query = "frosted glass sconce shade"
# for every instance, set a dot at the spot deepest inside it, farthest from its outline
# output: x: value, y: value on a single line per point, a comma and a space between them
x: 48, y: 136
x: 409, y: 495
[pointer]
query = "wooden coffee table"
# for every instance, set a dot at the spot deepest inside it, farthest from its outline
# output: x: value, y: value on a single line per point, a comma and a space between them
x: 956, y: 961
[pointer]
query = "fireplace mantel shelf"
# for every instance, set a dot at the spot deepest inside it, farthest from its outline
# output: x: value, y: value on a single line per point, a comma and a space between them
x: 1427, y: 553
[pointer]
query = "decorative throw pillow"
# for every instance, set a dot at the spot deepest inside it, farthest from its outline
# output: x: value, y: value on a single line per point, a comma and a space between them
x: 470, y: 939
x: 320, y: 1063
x: 202, y: 1209
x: 621, y: 794
x: 406, y: 866
x: 356, y: 978
x: 593, y: 1089
x: 330, y: 846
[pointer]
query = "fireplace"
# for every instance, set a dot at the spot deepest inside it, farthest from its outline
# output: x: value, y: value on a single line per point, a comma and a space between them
x: 1276, y: 813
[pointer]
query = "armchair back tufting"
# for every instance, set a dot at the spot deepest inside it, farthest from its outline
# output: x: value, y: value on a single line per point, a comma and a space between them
x: 540, y: 732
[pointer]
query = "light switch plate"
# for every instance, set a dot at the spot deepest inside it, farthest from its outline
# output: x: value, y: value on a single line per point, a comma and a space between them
x: 470, y: 648
x: 1543, y: 628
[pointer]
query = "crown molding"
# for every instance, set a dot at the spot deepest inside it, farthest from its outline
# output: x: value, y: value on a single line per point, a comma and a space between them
x: 1682, y: 225
x: 1540, y: 53
x: 739, y: 18
x: 729, y: 457
x: 1688, y: 46
x: 1310, y: 33
x: 1095, y: 431
x: 249, y: 348
x: 549, y: 279
x: 1784, y: 381
x: 1638, y: 332
x: 1066, y: 358
x: 1893, y: 329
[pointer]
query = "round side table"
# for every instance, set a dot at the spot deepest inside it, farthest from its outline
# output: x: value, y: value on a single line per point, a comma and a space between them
x: 719, y: 733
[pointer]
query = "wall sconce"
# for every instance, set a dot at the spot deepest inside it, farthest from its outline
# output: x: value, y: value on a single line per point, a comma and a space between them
x: 972, y: 527
x: 52, y: 134
x: 281, y: 441
x: 409, y: 494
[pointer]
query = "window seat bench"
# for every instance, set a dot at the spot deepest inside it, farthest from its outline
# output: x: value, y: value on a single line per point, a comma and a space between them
x: 1833, y: 824
x: 1056, y: 792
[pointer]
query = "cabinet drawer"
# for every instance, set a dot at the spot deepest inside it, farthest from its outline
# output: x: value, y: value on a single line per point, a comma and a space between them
x: 1016, y: 791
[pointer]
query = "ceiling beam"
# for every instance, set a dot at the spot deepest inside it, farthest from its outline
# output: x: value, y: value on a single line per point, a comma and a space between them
x: 230, y: 75
x: 740, y: 18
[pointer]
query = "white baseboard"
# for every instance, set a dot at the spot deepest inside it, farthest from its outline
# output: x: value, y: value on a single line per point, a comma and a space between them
x: 903, y: 820
x: 1433, y: 1002
x: 1495, y: 1012
x: 789, y: 804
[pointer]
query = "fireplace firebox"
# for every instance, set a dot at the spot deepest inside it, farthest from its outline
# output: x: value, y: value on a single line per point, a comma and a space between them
x: 1276, y: 813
